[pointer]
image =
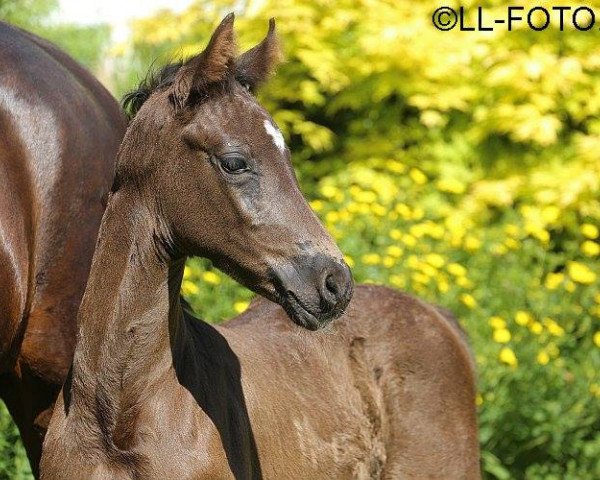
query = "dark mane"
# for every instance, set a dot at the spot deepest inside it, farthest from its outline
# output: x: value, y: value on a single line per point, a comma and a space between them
x: 154, y: 80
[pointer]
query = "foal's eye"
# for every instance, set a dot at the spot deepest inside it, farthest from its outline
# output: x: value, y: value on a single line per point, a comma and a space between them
x: 234, y: 164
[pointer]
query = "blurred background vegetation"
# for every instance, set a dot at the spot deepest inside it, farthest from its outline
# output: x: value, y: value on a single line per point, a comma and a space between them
x: 461, y: 166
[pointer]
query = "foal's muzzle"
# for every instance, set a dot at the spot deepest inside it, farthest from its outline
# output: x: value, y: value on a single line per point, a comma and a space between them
x: 314, y: 289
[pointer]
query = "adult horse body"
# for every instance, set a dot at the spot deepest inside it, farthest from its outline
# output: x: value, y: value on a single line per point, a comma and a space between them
x: 386, y: 391
x: 59, y: 133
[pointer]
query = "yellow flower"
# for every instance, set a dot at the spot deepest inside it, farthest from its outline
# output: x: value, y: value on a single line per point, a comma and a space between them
x: 378, y: 209
x: 581, y: 273
x: 395, y: 234
x: 523, y: 318
x: 417, y: 213
x: 417, y: 230
x: 508, y: 357
x: 553, y: 280
x: 427, y: 269
x: 388, y: 261
x: 211, y: 277
x: 397, y: 281
x: 479, y: 399
x: 497, y: 322
x: 396, y: 166
x: 443, y: 286
x: 403, y: 210
x: 240, y: 306
x: 589, y: 248
x: 317, y: 205
x: 435, y: 260
x: 349, y: 261
x: 436, y: 231
x: 553, y: 327
x: 329, y: 191
x: 409, y: 240
x: 418, y: 176
x: 552, y: 350
x: 597, y: 338
x: 371, y: 259
x: 451, y: 185
x: 543, y: 358
x: 550, y: 213
x: 536, y: 328
x: 189, y: 288
x: 590, y: 231
x: 366, y: 196
x: 511, y: 230
x: 511, y: 243
x: 332, y: 217
x: 597, y: 298
x: 413, y: 262
x: 187, y: 272
x: 394, y: 251
x: 464, y: 282
x: 472, y: 243
x: 468, y: 300
x: 541, y: 234
x: 419, y: 277
x: 457, y: 269
x: 502, y: 335
x: 570, y: 286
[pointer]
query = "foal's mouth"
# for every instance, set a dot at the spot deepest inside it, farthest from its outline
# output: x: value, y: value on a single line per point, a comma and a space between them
x: 299, y: 314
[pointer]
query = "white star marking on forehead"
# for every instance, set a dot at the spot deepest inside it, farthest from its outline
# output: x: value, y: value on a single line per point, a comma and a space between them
x: 275, y: 135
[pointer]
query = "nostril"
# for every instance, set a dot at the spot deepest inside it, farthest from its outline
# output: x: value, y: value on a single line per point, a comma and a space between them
x: 331, y: 285
x: 335, y: 286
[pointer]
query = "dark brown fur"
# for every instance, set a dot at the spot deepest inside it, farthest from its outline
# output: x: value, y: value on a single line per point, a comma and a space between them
x: 59, y: 132
x: 384, y: 391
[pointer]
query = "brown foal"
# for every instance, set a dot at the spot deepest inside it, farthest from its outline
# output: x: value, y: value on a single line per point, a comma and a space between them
x: 385, y: 391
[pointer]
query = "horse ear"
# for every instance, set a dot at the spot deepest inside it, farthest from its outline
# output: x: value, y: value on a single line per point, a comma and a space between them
x: 253, y: 67
x: 213, y: 65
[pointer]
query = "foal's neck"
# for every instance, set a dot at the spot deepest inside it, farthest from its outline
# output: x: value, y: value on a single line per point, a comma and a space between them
x: 128, y: 312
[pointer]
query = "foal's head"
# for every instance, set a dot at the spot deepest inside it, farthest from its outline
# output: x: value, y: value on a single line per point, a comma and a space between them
x: 213, y: 166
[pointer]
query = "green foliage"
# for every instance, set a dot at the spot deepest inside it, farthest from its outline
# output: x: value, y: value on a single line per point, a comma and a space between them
x: 87, y: 44
x: 13, y: 460
x: 27, y: 14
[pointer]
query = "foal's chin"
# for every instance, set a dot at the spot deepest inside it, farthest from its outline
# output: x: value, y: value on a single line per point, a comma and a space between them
x: 302, y: 317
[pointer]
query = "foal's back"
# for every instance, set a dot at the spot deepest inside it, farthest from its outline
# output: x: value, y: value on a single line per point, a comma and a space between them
x: 387, y: 392
x: 59, y: 133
